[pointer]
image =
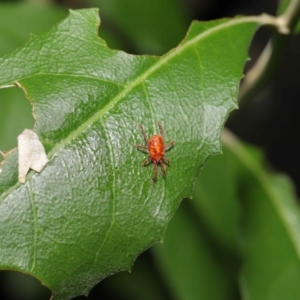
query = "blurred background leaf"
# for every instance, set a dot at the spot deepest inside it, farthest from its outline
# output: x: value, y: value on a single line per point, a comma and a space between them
x: 151, y: 27
x: 189, y: 262
x: 17, y: 22
x: 269, y: 235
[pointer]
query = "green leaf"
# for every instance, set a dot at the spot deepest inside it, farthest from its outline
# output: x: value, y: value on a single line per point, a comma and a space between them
x: 265, y: 225
x: 15, y: 114
x: 19, y: 20
x: 92, y: 210
x: 189, y: 263
x: 142, y: 282
x: 269, y: 236
x: 215, y: 198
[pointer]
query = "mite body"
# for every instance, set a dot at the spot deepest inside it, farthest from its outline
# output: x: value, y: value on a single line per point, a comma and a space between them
x: 156, y: 149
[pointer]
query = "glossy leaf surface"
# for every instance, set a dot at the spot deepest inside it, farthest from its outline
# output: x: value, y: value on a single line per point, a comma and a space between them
x: 92, y: 210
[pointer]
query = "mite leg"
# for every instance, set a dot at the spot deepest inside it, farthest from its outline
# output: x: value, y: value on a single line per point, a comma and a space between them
x: 155, y: 172
x: 146, y: 161
x: 144, y: 134
x: 166, y: 160
x: 167, y: 147
x: 141, y: 147
x: 161, y: 129
x: 163, y: 170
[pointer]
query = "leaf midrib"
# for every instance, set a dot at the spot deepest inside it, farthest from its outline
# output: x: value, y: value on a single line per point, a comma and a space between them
x: 166, y: 58
x: 263, y: 19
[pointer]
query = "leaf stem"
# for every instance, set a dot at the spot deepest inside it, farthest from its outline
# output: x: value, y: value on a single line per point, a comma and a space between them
x: 7, y: 86
x: 270, y: 56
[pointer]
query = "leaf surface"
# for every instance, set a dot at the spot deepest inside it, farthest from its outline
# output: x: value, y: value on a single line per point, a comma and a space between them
x: 215, y: 199
x: 92, y: 210
x: 18, y: 20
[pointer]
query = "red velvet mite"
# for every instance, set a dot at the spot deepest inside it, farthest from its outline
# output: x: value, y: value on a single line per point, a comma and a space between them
x: 156, y: 149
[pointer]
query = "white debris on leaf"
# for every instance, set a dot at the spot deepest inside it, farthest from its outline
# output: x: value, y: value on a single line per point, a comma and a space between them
x: 31, y: 154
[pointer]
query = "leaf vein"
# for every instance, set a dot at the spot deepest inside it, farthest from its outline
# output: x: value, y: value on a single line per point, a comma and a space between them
x: 264, y: 19
x: 141, y: 78
x: 150, y: 105
x: 35, y: 236
x: 113, y: 168
x: 68, y: 75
